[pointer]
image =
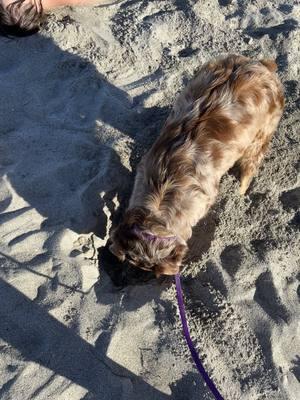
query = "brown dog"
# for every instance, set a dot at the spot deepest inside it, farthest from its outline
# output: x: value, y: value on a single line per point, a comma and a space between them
x: 227, y: 113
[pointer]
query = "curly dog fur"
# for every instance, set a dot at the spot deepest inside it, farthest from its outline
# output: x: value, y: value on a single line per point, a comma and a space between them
x: 227, y: 114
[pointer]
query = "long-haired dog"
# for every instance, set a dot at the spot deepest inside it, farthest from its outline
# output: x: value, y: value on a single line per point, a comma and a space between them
x: 227, y: 114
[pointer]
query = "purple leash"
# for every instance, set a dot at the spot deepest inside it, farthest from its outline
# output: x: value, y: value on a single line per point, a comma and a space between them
x: 190, y: 344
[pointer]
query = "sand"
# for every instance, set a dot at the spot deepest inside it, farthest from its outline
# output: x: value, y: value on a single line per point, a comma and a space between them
x: 80, y: 103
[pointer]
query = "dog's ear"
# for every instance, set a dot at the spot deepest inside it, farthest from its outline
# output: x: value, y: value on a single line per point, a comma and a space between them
x: 116, y: 251
x: 270, y: 64
x: 172, y: 263
x: 177, y: 254
x: 135, y: 216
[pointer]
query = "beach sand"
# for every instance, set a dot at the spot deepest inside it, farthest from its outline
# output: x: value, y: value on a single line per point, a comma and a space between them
x: 81, y: 102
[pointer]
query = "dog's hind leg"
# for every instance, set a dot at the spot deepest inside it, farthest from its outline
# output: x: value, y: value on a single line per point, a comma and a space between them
x: 252, y: 157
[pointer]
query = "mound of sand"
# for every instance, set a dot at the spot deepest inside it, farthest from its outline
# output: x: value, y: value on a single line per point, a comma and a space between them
x: 80, y: 103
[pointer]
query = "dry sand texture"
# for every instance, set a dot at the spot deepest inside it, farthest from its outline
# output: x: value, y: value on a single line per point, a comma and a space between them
x: 80, y: 103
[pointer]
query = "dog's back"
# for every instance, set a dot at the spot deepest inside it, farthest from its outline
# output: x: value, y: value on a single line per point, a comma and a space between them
x: 231, y: 105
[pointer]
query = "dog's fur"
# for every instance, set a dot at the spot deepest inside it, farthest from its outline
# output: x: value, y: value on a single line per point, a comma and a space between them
x: 21, y: 18
x: 227, y: 113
